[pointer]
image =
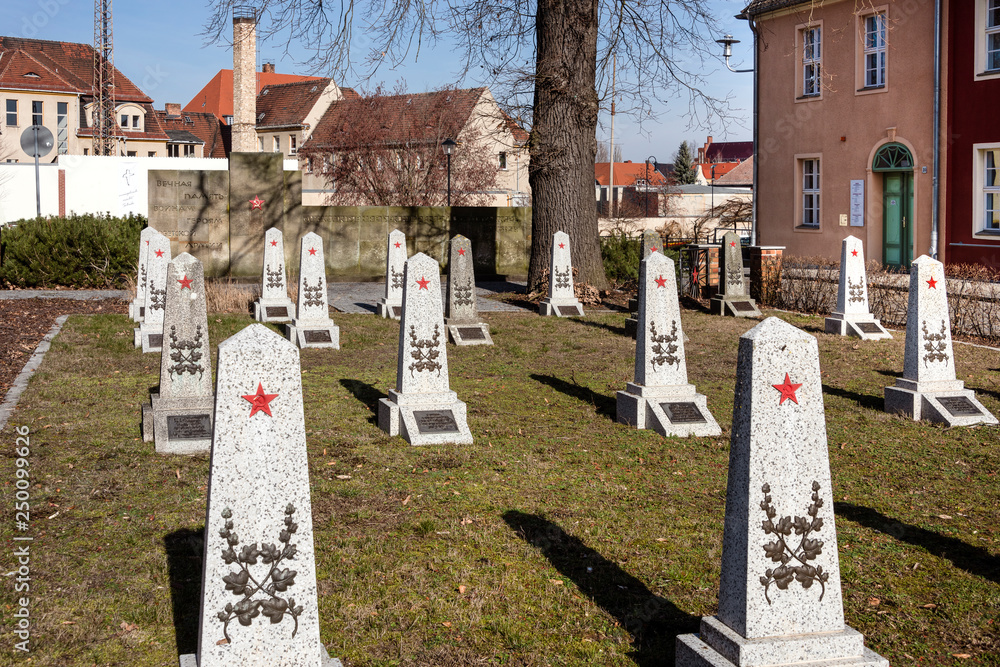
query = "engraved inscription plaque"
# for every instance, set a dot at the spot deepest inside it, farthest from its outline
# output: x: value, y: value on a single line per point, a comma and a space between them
x: 156, y: 340
x: 743, y: 306
x: 142, y: 311
x: 959, y: 406
x: 397, y: 311
x: 435, y: 421
x: 868, y: 327
x: 683, y: 413
x: 276, y: 311
x: 317, y: 336
x: 189, y: 427
x: 471, y: 333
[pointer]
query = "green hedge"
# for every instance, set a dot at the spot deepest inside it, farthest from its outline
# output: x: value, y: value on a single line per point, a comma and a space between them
x: 97, y: 251
x: 621, y: 255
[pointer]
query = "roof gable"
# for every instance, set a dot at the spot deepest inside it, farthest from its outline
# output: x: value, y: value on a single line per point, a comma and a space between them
x: 288, y: 104
x: 217, y: 95
x: 627, y: 173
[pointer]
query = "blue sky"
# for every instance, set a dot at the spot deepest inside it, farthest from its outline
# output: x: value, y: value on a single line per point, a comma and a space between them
x: 158, y: 46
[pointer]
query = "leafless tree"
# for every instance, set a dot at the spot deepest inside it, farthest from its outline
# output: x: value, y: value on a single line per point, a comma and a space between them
x: 551, y: 63
x: 604, y: 152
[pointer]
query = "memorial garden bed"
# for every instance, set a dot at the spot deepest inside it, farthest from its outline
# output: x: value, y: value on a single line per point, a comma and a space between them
x: 558, y: 538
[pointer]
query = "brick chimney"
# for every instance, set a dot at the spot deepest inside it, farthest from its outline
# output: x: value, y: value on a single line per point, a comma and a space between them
x: 268, y: 68
x: 173, y: 108
x: 244, y: 79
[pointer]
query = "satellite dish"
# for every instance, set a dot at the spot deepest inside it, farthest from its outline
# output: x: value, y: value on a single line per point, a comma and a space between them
x: 36, y: 141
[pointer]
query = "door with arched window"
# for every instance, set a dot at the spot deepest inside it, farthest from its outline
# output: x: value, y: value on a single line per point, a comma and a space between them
x: 895, y: 163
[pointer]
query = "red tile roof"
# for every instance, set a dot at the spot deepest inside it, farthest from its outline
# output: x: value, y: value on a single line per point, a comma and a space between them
x: 627, y: 173
x: 288, y: 104
x: 741, y: 175
x: 204, y: 126
x: 59, y: 66
x: 729, y: 151
x: 721, y: 169
x: 217, y: 95
x: 403, y: 118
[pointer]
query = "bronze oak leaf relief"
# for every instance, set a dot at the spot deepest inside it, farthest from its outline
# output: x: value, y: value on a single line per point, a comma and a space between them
x: 779, y: 550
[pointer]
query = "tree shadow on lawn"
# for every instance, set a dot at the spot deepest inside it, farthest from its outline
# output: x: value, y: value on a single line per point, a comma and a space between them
x: 185, y: 553
x: 876, y: 403
x: 654, y: 622
x: 365, y: 393
x: 890, y: 374
x: 604, y: 405
x: 601, y: 325
x: 974, y: 560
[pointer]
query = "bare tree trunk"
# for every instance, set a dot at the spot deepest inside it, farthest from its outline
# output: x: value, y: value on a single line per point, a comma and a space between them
x: 563, y: 138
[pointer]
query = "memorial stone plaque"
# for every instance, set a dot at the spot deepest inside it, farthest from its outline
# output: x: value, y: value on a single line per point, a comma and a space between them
x: 317, y: 336
x: 683, y: 413
x: 189, y: 427
x: 744, y: 306
x: 156, y: 340
x: 959, y: 406
x: 869, y: 327
x: 471, y: 333
x: 435, y: 421
x: 397, y: 311
x: 273, y: 311
x: 561, y: 300
x: 191, y: 209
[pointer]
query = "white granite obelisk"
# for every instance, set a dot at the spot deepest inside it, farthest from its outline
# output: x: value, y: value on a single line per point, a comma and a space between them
x: 149, y: 333
x: 852, y: 316
x: 422, y: 408
x: 929, y: 388
x: 137, y: 307
x: 312, y: 326
x: 461, y: 312
x: 273, y: 304
x: 391, y: 305
x: 733, y: 297
x: 561, y: 301
x: 779, y: 595
x: 661, y: 397
x: 178, y: 418
x: 651, y: 243
x: 259, y: 604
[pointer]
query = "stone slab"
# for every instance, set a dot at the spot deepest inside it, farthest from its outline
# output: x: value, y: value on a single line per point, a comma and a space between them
x: 693, y: 652
x: 313, y: 310
x: 919, y: 405
x: 470, y: 334
x: 561, y: 300
x: 191, y: 208
x: 733, y: 307
x: 273, y: 304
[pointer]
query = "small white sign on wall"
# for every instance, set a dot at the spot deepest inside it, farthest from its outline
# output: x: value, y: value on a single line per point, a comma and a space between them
x: 857, y: 203
x: 128, y: 189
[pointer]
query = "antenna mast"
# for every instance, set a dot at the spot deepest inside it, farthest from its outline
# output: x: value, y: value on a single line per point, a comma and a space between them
x: 105, y: 141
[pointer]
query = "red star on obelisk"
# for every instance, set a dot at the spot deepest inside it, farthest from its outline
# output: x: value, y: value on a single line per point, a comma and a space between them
x: 854, y: 252
x: 652, y: 248
x: 423, y: 282
x: 732, y: 244
x: 461, y: 251
x: 562, y: 245
x: 147, y: 242
x: 312, y: 251
x: 932, y: 283
x: 397, y: 244
x: 274, y: 243
x: 260, y: 401
x: 256, y: 203
x: 661, y: 281
x: 787, y: 390
x: 185, y: 282
x: 159, y: 253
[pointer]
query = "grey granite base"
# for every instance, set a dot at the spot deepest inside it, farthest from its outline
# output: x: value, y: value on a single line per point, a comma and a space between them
x: 313, y: 334
x: 261, y: 310
x: 867, y: 329
x: 425, y: 419
x: 737, y: 306
x: 473, y: 333
x: 560, y: 308
x: 183, y: 413
x: 389, y: 310
x: 149, y: 338
x: 927, y: 405
x: 632, y: 325
x: 191, y: 660
x: 642, y: 408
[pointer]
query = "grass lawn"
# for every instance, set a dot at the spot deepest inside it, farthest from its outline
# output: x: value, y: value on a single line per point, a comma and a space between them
x: 559, y: 538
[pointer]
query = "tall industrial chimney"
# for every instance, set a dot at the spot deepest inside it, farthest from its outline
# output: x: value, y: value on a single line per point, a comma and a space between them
x: 244, y: 79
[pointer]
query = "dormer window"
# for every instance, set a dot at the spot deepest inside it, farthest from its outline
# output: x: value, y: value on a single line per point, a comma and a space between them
x: 31, y: 75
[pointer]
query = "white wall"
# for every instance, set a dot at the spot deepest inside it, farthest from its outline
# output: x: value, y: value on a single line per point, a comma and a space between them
x: 94, y: 184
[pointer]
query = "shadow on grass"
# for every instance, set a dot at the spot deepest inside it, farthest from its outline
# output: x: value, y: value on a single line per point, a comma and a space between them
x: 601, y: 325
x: 876, y: 403
x: 654, y: 622
x: 365, y: 393
x: 974, y: 560
x: 688, y: 302
x: 185, y: 551
x: 891, y: 374
x: 604, y: 405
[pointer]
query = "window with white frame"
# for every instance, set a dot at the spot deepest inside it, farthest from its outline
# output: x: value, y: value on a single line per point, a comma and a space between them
x: 277, y: 144
x: 811, y: 57
x: 292, y: 144
x: 810, y: 193
x: 874, y: 50
x: 991, y: 190
x: 12, y: 113
x: 993, y: 35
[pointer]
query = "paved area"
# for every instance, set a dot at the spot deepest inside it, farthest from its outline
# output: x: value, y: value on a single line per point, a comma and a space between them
x: 77, y: 294
x: 362, y: 297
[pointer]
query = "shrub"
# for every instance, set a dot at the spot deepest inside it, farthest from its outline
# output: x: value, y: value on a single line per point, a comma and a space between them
x: 97, y: 251
x: 621, y: 256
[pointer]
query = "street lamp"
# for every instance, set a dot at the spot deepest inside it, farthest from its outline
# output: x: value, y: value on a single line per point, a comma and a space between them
x: 713, y: 188
x: 448, y: 146
x: 650, y: 159
x: 727, y: 51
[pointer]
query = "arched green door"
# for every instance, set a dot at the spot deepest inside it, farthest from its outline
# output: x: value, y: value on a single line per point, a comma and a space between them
x: 895, y: 163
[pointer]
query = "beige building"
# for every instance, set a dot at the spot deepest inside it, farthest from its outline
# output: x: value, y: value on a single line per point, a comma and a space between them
x: 846, y: 94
